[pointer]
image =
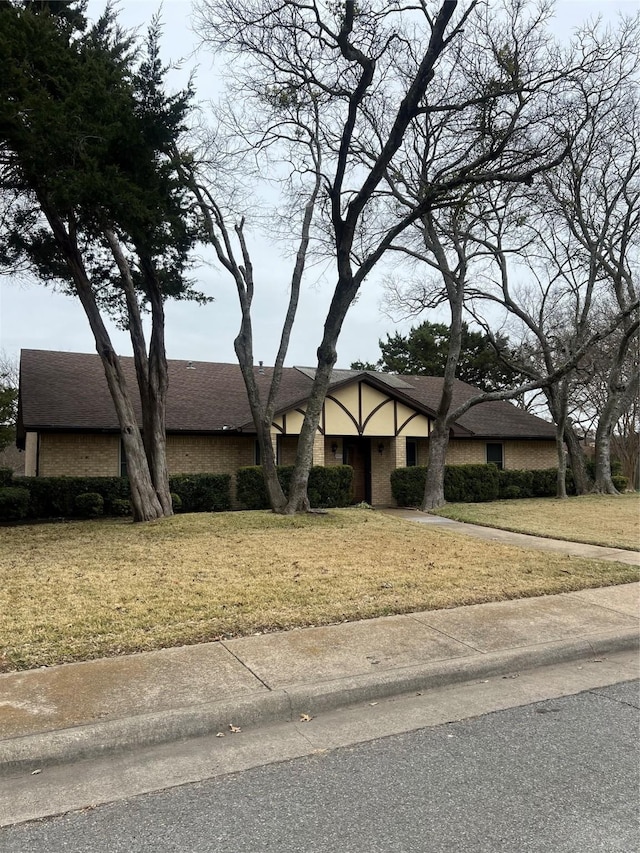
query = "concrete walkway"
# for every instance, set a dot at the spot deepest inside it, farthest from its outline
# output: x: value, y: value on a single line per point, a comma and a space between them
x: 63, y: 713
x: 521, y: 540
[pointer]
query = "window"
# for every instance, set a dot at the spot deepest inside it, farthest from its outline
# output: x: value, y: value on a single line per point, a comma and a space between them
x: 494, y: 454
x: 256, y: 453
x: 412, y: 453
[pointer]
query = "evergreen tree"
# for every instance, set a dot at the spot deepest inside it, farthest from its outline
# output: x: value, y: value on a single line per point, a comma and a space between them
x: 423, y: 352
x: 89, y: 140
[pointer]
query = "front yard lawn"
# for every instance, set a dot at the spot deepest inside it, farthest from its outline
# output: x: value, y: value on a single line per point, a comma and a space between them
x: 79, y: 590
x: 610, y: 520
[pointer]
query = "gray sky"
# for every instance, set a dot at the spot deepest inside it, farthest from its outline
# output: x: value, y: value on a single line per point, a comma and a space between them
x: 32, y: 316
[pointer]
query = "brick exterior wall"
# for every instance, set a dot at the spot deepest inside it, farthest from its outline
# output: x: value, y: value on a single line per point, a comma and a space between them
x: 516, y: 454
x: 79, y: 455
x: 332, y: 457
x: 393, y: 456
x: 287, y: 448
x: 86, y: 454
x: 209, y: 454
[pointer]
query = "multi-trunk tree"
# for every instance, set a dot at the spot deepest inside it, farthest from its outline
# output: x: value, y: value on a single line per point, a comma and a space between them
x: 477, y: 244
x: 87, y: 144
x: 413, y: 107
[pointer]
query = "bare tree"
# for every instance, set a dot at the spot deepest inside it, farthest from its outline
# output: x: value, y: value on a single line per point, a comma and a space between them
x: 513, y: 222
x: 480, y: 91
x: 596, y: 198
x: 291, y: 122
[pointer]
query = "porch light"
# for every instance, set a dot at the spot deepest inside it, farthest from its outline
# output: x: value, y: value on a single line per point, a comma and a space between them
x: 334, y: 446
x: 381, y: 447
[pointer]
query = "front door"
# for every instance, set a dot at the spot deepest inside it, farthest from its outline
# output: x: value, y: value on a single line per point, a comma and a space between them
x: 357, y: 453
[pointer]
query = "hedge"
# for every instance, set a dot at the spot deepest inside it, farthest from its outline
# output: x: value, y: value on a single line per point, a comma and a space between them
x: 202, y: 492
x: 57, y: 497
x: 89, y: 505
x: 476, y: 483
x: 328, y: 487
x: 14, y: 503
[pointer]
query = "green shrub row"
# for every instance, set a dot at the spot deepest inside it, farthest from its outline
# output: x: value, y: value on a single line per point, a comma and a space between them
x: 531, y: 484
x: 14, y: 503
x: 466, y: 483
x: 55, y: 497
x: 477, y: 483
x: 201, y: 492
x: 328, y: 487
x: 88, y: 497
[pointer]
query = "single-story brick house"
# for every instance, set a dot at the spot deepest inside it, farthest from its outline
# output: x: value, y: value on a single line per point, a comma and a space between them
x: 373, y: 421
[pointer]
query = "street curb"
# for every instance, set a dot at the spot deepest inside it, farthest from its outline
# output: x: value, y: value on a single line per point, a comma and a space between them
x: 34, y: 752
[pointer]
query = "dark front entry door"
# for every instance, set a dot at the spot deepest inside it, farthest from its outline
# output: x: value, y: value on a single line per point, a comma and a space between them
x: 357, y: 453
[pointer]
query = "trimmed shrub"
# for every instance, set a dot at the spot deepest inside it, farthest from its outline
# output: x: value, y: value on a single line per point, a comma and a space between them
x: 14, y: 503
x: 89, y: 504
x: 407, y: 485
x: 621, y: 483
x: 6, y: 476
x: 120, y: 507
x: 328, y: 487
x: 202, y: 492
x: 515, y: 484
x: 53, y: 497
x: 251, y: 492
x: 176, y: 502
x: 471, y: 483
x: 462, y: 483
x: 544, y: 483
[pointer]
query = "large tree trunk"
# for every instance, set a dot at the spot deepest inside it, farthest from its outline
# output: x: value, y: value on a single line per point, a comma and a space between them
x: 577, y: 461
x: 603, y: 483
x: 434, y: 487
x: 151, y: 369
x: 275, y: 493
x: 155, y: 431
x: 557, y: 399
x: 262, y: 417
x: 144, y: 501
x: 561, y: 485
x: 298, y: 499
x: 454, y: 282
x: 343, y: 296
x: 620, y: 396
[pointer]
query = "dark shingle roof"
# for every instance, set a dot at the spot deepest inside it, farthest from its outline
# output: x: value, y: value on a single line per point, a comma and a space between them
x: 64, y: 391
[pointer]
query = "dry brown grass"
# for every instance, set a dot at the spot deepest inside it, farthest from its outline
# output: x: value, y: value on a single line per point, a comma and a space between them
x: 610, y: 520
x: 81, y: 590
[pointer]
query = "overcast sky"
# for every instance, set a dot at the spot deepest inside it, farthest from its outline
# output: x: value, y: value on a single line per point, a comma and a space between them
x: 32, y: 316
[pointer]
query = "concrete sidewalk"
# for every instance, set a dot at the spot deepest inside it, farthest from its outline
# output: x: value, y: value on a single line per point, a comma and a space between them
x: 64, y: 713
x: 520, y: 540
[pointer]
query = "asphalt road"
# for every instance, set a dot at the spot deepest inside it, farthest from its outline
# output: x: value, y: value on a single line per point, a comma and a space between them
x: 558, y: 776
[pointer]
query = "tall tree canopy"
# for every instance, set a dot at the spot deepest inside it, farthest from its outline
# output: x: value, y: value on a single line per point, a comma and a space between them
x: 425, y: 349
x: 88, y: 140
x: 403, y: 110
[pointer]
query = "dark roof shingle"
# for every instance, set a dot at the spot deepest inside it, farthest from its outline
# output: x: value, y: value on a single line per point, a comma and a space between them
x: 61, y: 390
